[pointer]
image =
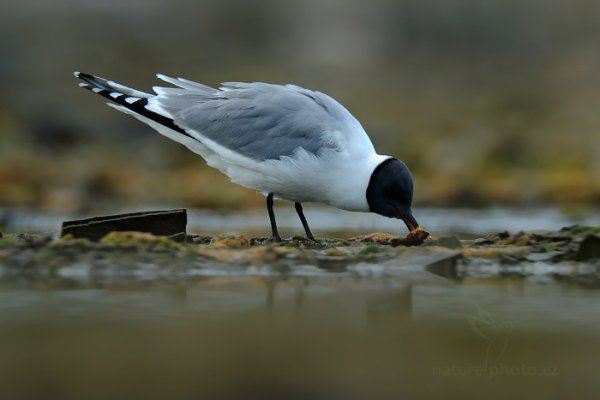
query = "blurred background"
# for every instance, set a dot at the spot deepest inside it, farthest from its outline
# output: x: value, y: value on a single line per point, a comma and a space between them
x: 489, y: 102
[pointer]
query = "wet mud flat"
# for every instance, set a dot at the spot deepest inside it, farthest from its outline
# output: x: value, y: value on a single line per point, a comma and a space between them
x: 568, y: 256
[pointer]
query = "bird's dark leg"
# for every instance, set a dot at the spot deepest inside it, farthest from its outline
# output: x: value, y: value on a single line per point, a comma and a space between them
x: 309, y: 234
x: 274, y: 231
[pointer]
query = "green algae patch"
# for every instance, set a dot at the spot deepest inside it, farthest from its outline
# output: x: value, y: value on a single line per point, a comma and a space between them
x: 139, y: 239
x: 496, y: 252
x: 7, y: 241
x: 370, y: 249
x: 578, y: 230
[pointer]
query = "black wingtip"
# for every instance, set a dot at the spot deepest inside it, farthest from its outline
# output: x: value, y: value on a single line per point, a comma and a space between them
x: 87, y: 77
x: 104, y: 88
x: 95, y: 81
x: 87, y: 84
x: 83, y: 75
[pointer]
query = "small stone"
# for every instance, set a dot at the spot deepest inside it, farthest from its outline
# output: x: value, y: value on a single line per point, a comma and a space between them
x: 550, y: 237
x: 258, y: 241
x: 198, y: 239
x: 589, y: 248
x: 227, y: 241
x: 446, y: 266
x: 24, y: 237
x: 569, y: 228
x: 335, y: 252
x: 503, y: 235
x: 506, y: 259
x: 522, y: 240
x: 483, y: 241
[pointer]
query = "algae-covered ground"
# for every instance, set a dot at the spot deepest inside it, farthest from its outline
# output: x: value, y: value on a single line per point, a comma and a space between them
x: 571, y: 255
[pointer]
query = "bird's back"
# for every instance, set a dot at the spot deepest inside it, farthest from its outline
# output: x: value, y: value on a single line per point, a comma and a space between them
x: 262, y: 121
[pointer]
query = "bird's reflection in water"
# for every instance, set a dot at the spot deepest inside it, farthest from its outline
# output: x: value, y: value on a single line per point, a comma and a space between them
x: 392, y: 308
x: 381, y: 305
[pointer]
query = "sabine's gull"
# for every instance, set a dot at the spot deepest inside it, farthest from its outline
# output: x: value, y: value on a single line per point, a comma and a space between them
x: 284, y: 141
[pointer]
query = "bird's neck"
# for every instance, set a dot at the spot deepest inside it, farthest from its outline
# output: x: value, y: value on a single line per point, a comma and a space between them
x: 350, y: 190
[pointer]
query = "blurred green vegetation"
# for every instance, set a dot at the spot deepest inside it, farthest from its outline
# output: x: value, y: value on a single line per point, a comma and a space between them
x: 489, y: 103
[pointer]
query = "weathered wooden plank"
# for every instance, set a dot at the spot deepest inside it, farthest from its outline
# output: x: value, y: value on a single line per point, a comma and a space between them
x: 160, y: 223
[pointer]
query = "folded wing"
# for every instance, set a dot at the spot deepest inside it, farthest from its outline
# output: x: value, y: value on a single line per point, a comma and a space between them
x: 261, y: 121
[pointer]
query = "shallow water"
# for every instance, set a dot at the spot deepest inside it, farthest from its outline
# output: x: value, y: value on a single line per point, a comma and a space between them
x: 326, y: 337
x: 327, y: 220
x: 371, y: 331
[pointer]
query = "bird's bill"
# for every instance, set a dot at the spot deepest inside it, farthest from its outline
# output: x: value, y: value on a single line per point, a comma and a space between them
x: 409, y: 220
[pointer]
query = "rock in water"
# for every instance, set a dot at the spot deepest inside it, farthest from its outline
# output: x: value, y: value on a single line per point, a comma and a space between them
x: 159, y: 223
x: 589, y: 248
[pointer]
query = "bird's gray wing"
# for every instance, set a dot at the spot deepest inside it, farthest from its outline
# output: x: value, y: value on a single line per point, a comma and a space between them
x: 258, y: 120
